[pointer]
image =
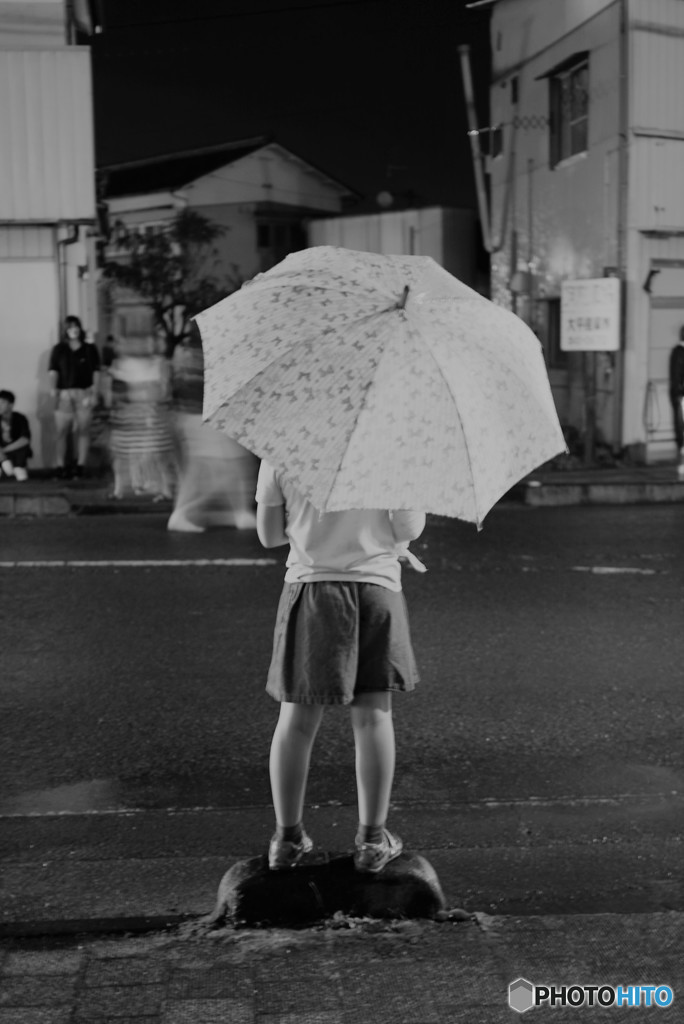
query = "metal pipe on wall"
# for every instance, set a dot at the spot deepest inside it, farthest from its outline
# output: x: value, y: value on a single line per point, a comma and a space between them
x: 61, y: 269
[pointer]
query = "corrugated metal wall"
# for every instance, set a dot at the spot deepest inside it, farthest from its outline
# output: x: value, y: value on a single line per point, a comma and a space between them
x: 26, y: 243
x: 47, y: 165
x: 657, y: 113
x: 657, y: 61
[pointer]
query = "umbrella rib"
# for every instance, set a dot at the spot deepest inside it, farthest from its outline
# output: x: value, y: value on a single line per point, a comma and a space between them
x: 460, y: 419
x: 362, y: 407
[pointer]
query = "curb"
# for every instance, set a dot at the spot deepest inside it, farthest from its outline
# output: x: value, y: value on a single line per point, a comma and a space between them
x: 65, y: 502
x: 43, y: 499
x: 136, y: 925
x: 542, y: 494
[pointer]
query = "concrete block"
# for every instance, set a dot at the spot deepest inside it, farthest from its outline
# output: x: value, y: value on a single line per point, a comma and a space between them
x: 28, y: 505
x: 6, y: 504
x: 56, y: 505
x: 322, y: 885
x: 554, y: 494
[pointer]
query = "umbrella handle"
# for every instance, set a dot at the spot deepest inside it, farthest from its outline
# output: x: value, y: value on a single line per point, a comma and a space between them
x: 402, y: 301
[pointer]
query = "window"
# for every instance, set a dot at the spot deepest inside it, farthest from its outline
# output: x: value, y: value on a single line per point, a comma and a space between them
x: 276, y: 238
x: 550, y: 329
x: 569, y: 113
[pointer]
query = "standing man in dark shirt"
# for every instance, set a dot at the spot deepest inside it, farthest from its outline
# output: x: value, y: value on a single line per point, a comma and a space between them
x: 74, y: 373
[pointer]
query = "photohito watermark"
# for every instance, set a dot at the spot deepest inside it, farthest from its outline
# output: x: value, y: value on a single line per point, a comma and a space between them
x: 523, y: 995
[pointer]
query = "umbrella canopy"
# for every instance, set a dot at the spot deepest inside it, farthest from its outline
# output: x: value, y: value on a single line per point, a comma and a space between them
x: 377, y: 381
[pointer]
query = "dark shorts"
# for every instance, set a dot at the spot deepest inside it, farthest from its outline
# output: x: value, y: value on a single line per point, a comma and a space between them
x: 334, y: 640
x: 18, y: 457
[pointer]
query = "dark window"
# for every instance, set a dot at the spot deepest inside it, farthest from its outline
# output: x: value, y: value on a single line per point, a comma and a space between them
x: 569, y: 114
x: 496, y: 142
x: 556, y: 359
x: 297, y: 237
x: 277, y: 238
x: 514, y: 90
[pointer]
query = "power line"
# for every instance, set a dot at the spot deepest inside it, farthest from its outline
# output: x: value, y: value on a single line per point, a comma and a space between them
x: 227, y: 15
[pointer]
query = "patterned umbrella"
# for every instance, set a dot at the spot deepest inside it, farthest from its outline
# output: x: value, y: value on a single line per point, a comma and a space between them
x: 377, y: 381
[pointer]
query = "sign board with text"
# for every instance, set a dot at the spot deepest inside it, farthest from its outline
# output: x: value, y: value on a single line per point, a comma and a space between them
x: 590, y: 315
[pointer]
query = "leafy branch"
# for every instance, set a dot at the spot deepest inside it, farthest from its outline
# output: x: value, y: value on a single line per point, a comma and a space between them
x: 172, y: 269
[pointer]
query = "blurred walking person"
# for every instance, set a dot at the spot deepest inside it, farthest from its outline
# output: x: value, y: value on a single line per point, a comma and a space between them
x: 141, y: 440
x: 74, y: 370
x: 217, y: 475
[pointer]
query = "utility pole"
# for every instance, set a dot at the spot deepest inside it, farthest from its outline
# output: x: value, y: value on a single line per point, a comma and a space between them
x: 474, y: 135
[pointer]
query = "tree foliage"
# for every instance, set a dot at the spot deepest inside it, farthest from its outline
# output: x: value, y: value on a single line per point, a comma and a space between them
x: 172, y: 268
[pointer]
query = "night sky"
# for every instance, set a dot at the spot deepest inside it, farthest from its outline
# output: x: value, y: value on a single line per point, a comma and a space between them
x: 367, y: 90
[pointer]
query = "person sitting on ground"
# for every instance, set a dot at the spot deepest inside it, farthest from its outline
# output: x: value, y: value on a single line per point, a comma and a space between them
x: 341, y: 637
x: 15, y: 439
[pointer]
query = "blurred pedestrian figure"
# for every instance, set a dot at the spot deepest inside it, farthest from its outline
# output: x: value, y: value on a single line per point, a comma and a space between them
x: 341, y: 637
x: 74, y: 373
x: 217, y: 475
x: 677, y: 397
x: 15, y: 439
x: 141, y: 440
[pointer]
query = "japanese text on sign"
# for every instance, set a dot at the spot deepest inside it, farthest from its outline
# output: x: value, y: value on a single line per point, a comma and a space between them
x: 590, y: 315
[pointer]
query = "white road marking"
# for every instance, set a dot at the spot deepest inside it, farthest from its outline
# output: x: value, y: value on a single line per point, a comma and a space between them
x: 608, y: 570
x: 135, y: 563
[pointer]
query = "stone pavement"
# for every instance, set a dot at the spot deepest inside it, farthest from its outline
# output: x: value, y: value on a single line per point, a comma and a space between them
x: 344, y: 971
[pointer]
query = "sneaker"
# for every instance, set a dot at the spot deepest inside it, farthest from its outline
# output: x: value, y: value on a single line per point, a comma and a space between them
x: 283, y: 854
x: 373, y: 857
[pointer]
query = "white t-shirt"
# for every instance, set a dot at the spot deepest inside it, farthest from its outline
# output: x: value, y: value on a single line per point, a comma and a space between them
x: 357, y: 545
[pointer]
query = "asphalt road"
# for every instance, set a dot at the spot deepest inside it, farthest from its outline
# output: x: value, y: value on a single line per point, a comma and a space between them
x: 541, y: 754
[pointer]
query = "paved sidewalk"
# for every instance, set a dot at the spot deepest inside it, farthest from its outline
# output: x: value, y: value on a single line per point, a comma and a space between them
x: 345, y: 971
x: 42, y: 495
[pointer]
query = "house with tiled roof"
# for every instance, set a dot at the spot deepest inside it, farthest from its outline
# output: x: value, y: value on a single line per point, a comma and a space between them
x: 259, y: 192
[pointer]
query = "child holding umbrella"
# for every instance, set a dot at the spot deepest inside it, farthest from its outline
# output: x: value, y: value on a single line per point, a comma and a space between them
x: 341, y: 637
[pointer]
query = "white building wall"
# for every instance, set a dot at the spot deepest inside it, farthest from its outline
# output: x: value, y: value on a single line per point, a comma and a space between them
x: 449, y: 236
x: 562, y: 222
x: 655, y: 220
x: 237, y: 247
x: 405, y: 232
x: 29, y: 315
x: 522, y: 29
x: 32, y: 23
x: 47, y: 162
x: 271, y: 174
x: 47, y: 188
x: 657, y: 81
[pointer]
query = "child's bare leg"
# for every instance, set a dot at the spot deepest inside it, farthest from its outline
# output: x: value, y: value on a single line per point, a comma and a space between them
x: 371, y: 717
x: 291, y: 748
